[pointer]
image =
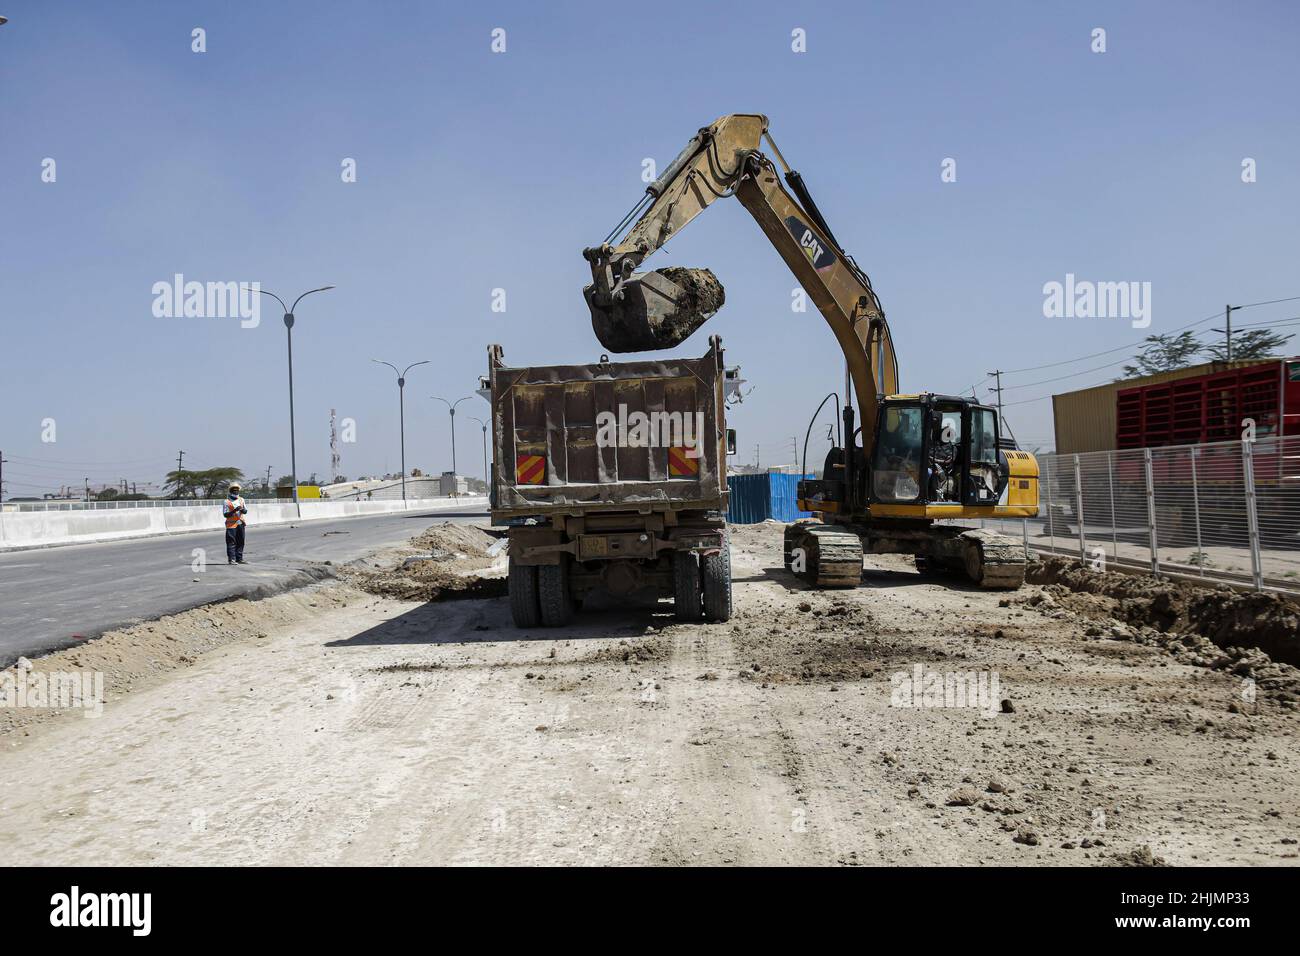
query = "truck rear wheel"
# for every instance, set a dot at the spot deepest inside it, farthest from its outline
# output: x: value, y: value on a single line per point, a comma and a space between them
x: 524, y: 609
x: 686, y: 586
x: 553, y: 595
x: 717, y: 585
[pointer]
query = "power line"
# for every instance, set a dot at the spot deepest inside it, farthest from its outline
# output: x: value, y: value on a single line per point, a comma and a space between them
x: 1059, y: 378
x: 64, y: 461
x: 1291, y: 320
x: 1270, y: 324
x: 1121, y: 348
x: 1251, y: 305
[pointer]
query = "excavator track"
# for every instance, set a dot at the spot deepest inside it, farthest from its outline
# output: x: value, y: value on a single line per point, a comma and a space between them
x: 994, y: 560
x: 831, y: 556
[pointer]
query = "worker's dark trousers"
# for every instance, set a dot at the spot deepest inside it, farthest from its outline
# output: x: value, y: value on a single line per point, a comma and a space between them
x: 235, y: 543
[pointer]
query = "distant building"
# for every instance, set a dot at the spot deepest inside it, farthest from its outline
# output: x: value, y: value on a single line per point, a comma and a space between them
x: 453, y: 484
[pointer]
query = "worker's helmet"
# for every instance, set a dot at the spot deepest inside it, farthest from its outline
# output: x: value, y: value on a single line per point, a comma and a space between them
x: 234, y: 486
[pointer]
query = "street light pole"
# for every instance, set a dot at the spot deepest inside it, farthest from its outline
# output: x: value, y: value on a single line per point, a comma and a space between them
x: 452, y: 407
x: 487, y: 479
x: 401, y: 404
x: 288, y: 328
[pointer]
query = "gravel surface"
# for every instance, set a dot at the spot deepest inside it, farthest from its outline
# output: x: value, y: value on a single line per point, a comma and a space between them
x: 336, y: 725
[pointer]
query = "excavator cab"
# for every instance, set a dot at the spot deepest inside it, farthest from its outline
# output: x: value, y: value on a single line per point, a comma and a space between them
x: 932, y: 454
x: 937, y: 450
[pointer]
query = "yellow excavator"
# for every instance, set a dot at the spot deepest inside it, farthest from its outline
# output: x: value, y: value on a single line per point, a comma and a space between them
x: 914, y: 461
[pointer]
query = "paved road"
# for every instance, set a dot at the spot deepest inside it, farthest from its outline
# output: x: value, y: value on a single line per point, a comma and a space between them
x: 55, y: 597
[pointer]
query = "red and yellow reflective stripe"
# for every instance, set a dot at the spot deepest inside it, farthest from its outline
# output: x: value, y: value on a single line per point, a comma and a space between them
x: 529, y: 469
x: 680, y: 465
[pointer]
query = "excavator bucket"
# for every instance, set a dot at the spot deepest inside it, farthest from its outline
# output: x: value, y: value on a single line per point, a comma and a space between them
x: 655, y: 310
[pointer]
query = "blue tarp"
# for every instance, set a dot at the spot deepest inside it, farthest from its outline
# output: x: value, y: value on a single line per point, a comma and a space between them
x: 756, y: 498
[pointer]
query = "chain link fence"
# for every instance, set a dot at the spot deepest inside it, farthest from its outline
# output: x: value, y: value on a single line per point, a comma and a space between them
x: 1228, y: 511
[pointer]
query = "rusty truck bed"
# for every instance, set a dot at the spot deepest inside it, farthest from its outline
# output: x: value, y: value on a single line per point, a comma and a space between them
x: 610, y: 436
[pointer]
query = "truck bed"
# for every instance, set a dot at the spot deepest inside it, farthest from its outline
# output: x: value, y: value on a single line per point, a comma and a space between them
x: 642, y: 436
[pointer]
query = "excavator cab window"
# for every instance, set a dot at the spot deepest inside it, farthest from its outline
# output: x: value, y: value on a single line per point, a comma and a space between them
x: 896, y: 469
x: 982, y: 489
x: 944, y: 474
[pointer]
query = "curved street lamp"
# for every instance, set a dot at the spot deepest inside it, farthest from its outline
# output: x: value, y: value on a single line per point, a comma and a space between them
x: 288, y: 328
x: 487, y: 478
x: 401, y: 403
x: 452, y: 408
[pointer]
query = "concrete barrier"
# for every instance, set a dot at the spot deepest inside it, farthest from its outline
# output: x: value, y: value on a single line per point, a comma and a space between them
x: 45, y: 529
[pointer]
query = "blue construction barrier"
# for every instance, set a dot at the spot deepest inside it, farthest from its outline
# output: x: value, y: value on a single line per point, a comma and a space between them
x: 756, y: 498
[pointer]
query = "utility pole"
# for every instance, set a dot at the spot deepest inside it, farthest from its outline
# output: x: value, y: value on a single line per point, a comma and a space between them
x: 1227, y: 327
x: 267, y: 485
x: 2, y: 475
x: 87, y: 490
x: 758, y: 461
x: 997, y: 373
x: 180, y: 462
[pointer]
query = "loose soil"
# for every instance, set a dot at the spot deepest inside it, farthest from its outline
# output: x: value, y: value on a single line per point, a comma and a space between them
x: 339, y: 726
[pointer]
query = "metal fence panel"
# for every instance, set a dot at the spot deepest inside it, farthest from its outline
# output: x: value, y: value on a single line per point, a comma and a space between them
x: 1227, y: 511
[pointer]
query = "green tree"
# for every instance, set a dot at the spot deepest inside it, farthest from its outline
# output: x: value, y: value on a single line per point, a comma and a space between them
x: 181, y: 484
x: 214, y: 481
x: 1250, y: 344
x: 209, y: 483
x: 1164, y: 353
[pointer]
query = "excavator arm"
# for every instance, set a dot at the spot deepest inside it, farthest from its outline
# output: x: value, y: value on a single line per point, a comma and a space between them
x: 634, y: 311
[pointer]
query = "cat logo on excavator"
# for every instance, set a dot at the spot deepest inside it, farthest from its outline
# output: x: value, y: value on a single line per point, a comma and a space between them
x: 821, y: 257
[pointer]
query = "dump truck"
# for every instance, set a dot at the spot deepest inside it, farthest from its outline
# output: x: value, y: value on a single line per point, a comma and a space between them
x: 613, y: 477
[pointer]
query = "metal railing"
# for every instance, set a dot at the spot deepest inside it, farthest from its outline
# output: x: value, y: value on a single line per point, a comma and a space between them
x: 1228, y: 511
x: 19, y: 506
x: 115, y: 505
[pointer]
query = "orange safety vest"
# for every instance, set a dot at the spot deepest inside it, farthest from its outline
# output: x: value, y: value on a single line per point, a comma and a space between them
x: 231, y: 511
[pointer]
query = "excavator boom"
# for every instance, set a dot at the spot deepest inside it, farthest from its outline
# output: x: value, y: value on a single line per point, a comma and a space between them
x: 922, y: 458
x: 646, y: 311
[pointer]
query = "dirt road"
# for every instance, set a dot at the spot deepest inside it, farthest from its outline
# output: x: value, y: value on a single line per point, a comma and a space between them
x: 334, y: 725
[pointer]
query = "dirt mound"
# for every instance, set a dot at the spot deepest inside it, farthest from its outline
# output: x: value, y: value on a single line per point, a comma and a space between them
x: 451, y: 538
x: 136, y: 656
x: 447, y: 561
x: 428, y: 583
x: 1140, y: 856
x: 1269, y: 622
x: 631, y: 651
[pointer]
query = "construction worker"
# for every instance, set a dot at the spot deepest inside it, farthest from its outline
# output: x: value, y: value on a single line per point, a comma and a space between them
x: 233, y: 510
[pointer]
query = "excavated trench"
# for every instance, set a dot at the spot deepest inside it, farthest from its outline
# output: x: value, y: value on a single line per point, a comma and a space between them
x: 1267, y: 621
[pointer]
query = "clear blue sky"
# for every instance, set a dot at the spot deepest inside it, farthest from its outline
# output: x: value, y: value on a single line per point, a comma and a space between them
x: 479, y: 170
